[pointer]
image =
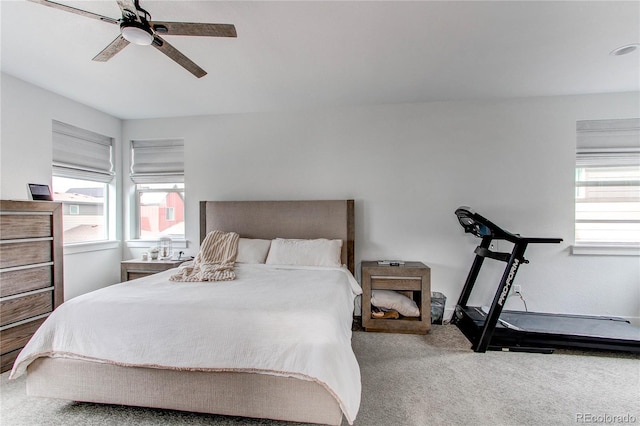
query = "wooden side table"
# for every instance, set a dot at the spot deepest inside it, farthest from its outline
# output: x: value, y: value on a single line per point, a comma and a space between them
x: 132, y: 269
x: 412, y: 278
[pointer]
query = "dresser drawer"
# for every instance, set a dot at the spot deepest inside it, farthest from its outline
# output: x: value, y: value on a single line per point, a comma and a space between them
x: 25, y: 226
x: 396, y: 283
x: 24, y: 253
x: 23, y: 280
x: 7, y: 360
x: 16, y: 337
x: 134, y: 275
x: 24, y: 307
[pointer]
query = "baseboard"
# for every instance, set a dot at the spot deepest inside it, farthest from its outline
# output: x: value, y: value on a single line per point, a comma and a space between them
x: 448, y: 313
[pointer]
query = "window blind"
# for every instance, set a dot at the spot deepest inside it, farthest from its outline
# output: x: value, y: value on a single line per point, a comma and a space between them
x: 157, y: 161
x: 608, y: 181
x: 81, y: 154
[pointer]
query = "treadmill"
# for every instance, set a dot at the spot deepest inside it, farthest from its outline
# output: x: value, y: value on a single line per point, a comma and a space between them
x: 505, y: 330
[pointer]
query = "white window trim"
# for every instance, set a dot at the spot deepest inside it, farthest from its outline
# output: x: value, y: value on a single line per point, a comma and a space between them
x: 85, y: 247
x: 179, y: 243
x: 605, y: 250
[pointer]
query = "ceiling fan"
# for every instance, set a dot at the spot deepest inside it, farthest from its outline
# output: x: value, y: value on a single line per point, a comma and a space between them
x: 137, y: 27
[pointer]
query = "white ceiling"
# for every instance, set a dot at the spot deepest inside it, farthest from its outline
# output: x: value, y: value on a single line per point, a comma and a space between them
x: 301, y: 55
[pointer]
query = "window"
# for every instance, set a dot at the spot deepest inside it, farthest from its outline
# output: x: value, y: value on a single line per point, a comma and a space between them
x: 170, y: 214
x: 82, y: 171
x: 157, y: 169
x: 160, y: 210
x: 607, y: 198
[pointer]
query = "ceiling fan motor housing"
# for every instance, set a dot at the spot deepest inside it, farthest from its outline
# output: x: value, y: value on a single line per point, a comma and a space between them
x: 137, y: 32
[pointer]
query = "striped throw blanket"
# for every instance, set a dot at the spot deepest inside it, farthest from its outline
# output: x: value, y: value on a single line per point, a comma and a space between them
x: 214, y: 261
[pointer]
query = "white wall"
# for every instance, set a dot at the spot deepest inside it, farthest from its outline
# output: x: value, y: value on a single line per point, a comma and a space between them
x: 409, y: 167
x: 25, y: 157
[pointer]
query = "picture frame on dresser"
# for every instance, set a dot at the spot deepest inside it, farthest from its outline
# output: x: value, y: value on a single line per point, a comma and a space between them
x: 31, y: 271
x: 40, y: 192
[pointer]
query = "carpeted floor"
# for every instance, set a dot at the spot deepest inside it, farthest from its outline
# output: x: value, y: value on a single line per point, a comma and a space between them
x: 413, y: 380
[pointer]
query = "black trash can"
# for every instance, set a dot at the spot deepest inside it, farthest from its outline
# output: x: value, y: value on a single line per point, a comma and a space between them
x: 438, y: 301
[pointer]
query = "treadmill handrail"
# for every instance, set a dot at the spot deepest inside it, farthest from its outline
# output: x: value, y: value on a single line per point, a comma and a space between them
x: 543, y: 240
x: 485, y: 252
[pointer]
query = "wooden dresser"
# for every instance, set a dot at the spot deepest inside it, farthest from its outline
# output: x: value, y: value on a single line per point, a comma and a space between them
x: 31, y: 275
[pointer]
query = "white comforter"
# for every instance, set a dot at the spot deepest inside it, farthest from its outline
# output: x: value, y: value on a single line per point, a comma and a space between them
x: 279, y: 320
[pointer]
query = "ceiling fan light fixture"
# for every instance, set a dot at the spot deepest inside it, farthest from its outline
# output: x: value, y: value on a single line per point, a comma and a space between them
x: 625, y: 50
x: 136, y: 33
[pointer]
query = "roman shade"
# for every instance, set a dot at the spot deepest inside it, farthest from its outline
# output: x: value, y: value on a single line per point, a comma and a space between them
x: 617, y: 133
x: 157, y: 161
x: 81, y: 154
x: 607, y: 143
x: 608, y: 182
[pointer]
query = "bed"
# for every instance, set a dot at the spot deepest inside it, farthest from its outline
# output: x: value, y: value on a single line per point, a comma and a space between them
x: 306, y: 374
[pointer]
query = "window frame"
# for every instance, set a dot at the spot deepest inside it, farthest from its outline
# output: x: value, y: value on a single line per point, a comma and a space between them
x: 606, y: 144
x: 106, y: 217
x: 161, y: 161
x: 84, y: 155
x: 170, y: 217
x: 137, y: 211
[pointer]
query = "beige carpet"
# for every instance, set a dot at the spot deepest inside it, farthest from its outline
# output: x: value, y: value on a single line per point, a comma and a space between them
x: 416, y: 380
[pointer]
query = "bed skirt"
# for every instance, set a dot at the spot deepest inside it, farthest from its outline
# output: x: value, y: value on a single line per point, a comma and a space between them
x: 227, y: 393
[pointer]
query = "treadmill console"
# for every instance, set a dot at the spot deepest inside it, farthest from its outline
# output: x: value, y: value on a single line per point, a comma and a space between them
x: 482, y: 227
x: 472, y: 222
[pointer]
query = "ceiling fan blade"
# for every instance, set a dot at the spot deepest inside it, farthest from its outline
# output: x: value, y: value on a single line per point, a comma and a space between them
x: 114, y: 47
x: 129, y: 10
x: 76, y: 11
x: 175, y: 54
x: 194, y: 29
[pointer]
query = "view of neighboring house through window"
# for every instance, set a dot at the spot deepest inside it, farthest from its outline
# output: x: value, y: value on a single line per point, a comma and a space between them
x: 608, y: 182
x: 82, y: 171
x: 85, y: 219
x: 161, y: 210
x: 157, y: 169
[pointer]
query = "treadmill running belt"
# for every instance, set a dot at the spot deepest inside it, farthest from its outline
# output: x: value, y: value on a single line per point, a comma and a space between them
x: 577, y: 325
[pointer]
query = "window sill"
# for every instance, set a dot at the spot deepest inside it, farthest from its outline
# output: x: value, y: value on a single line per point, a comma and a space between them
x: 605, y: 250
x: 74, y: 248
x: 176, y: 243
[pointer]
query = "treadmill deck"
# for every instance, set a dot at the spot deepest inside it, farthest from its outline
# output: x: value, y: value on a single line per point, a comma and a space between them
x: 558, y: 330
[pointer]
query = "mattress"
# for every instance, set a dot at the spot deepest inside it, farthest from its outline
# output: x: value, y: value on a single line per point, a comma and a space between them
x: 280, y: 321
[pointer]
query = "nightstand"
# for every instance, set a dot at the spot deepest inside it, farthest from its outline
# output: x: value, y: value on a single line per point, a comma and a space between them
x: 412, y: 279
x: 132, y: 269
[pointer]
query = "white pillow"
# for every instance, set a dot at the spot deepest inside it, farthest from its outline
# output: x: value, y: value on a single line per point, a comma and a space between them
x: 252, y: 250
x: 390, y: 299
x: 319, y: 252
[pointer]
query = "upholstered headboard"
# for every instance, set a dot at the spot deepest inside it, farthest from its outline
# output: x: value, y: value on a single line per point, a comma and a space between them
x: 332, y: 219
